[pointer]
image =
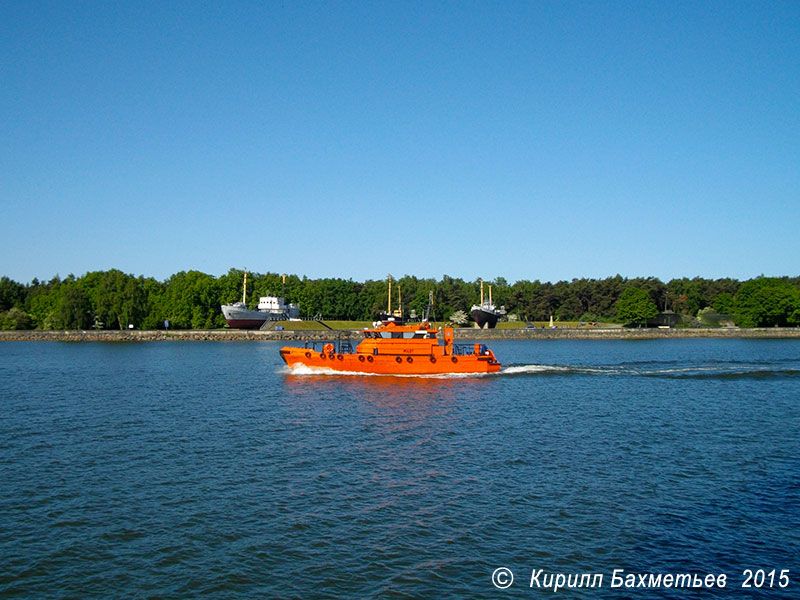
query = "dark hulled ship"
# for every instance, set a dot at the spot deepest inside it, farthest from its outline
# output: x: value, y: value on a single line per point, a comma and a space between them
x: 486, y: 314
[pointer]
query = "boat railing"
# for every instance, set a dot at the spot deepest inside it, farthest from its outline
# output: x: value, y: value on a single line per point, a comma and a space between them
x: 463, y: 349
x: 341, y: 346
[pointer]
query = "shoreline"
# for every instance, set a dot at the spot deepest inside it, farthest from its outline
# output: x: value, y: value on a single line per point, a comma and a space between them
x: 240, y: 335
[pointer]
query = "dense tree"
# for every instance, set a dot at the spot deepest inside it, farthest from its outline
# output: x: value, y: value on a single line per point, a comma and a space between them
x: 73, y: 311
x: 635, y: 306
x: 41, y: 302
x: 332, y: 299
x: 607, y: 291
x: 118, y: 299
x: 154, y: 309
x: 570, y: 308
x: 454, y: 294
x: 580, y: 297
x: 723, y: 304
x: 767, y: 302
x: 11, y: 294
x: 521, y: 294
x: 15, y: 318
x: 191, y: 301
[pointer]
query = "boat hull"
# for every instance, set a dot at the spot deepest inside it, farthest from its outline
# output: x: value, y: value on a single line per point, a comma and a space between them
x: 484, y: 318
x: 240, y: 317
x: 389, y: 364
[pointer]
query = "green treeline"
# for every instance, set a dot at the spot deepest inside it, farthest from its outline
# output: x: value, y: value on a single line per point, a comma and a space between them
x: 191, y: 300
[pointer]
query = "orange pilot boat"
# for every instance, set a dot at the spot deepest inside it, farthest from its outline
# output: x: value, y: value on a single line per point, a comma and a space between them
x: 393, y: 349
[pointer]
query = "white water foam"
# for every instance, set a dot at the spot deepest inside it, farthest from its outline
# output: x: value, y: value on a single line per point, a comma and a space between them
x: 528, y: 369
x: 551, y: 369
x: 536, y: 369
x: 689, y: 370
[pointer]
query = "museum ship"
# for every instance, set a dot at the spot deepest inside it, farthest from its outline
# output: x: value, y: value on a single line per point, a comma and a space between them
x: 486, y: 314
x: 270, y: 308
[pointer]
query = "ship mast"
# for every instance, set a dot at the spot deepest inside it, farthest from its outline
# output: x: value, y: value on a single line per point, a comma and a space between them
x: 481, y: 292
x: 389, y: 304
x: 244, y: 287
x: 430, y: 304
x: 399, y: 301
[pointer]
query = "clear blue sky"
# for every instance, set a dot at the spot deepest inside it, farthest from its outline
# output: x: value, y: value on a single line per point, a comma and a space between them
x: 525, y: 140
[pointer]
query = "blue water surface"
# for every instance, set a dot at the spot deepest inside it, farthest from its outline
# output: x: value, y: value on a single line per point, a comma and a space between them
x: 206, y: 470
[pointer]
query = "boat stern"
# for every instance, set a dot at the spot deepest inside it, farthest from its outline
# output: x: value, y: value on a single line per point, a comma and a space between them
x: 486, y: 356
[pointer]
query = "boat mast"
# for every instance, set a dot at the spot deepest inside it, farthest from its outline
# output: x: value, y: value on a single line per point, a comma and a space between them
x: 481, y: 292
x: 389, y: 304
x: 490, y: 294
x: 399, y: 301
x: 244, y: 287
x: 430, y: 304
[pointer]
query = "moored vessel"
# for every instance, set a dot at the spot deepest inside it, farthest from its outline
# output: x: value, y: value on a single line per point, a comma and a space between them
x: 396, y: 316
x: 270, y: 308
x: 486, y: 314
x: 393, y: 349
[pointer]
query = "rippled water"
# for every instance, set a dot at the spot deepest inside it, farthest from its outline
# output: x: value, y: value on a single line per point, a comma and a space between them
x: 188, y: 470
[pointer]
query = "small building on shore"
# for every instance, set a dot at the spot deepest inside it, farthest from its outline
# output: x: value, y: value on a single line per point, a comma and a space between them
x: 667, y: 318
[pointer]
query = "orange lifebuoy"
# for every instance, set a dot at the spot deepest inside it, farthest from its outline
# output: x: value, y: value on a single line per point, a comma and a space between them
x: 328, y: 348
